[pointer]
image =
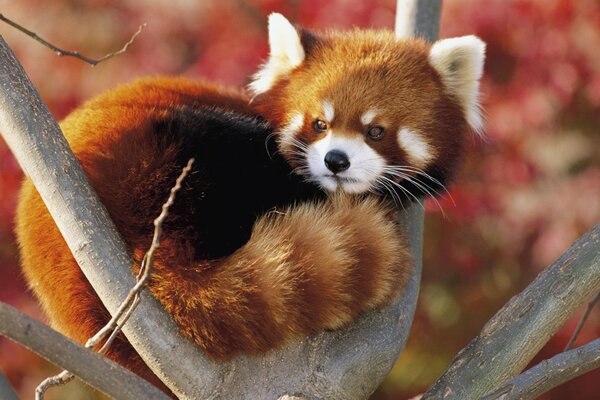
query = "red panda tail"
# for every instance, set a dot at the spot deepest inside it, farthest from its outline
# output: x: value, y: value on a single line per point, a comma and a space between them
x: 310, y: 268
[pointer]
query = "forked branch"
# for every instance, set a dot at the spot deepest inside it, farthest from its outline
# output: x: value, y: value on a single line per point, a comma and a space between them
x: 519, y: 330
x: 550, y: 373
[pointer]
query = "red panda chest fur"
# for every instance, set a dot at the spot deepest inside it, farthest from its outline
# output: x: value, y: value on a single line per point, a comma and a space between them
x: 284, y: 228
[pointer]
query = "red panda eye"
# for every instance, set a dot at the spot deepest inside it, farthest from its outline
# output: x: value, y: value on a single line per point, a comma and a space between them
x: 319, y: 126
x: 375, y: 132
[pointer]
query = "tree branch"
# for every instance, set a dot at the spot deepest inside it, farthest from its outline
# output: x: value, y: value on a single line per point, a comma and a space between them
x: 42, y: 151
x: 519, y: 330
x: 6, y: 390
x: 550, y: 373
x: 98, y: 371
x: 419, y: 18
x: 69, y: 53
x: 132, y: 300
x: 582, y: 320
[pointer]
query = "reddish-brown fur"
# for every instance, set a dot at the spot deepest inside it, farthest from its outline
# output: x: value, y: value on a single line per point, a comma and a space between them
x: 309, y: 268
x: 361, y: 70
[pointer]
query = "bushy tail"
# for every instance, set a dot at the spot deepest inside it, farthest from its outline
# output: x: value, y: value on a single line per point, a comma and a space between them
x: 310, y: 268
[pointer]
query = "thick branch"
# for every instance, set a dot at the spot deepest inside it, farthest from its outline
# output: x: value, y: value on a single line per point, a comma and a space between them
x: 38, y: 144
x: 96, y: 370
x: 550, y: 373
x: 418, y: 18
x: 6, y: 390
x: 519, y: 330
x: 114, y: 326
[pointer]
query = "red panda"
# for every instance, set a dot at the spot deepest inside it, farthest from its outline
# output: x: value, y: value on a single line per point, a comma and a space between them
x: 255, y: 252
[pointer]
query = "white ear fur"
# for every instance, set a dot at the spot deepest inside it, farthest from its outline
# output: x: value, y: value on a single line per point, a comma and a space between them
x: 286, y: 53
x: 459, y: 61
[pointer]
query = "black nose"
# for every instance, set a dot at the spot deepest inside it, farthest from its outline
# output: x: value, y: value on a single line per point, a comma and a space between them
x: 337, y: 161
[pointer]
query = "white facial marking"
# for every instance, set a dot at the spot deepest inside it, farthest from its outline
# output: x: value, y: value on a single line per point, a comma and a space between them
x: 459, y: 61
x: 366, y: 165
x: 328, y: 111
x: 286, y: 53
x: 289, y: 131
x: 415, y: 146
x: 368, y: 117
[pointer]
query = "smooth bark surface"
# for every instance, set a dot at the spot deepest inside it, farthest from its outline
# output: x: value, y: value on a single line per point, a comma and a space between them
x: 98, y: 371
x: 521, y: 328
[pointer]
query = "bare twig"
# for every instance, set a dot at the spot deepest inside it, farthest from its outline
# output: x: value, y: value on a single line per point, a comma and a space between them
x: 582, y: 320
x: 61, y: 379
x: 69, y: 53
x: 132, y: 299
x: 98, y: 371
x: 550, y: 373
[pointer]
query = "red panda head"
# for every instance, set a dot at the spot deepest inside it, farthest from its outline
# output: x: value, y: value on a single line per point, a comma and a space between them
x: 363, y: 111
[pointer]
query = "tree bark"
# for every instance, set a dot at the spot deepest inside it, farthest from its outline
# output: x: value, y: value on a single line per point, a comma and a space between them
x: 6, y: 390
x: 550, y: 373
x: 518, y: 331
x: 42, y: 151
x: 98, y: 371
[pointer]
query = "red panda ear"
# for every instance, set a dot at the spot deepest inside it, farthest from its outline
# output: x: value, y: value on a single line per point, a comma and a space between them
x: 286, y: 53
x: 459, y: 61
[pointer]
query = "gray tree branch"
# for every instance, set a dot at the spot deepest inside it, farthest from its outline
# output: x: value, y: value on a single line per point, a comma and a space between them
x: 6, y: 390
x: 42, y: 151
x: 519, y: 330
x: 101, y: 373
x: 550, y: 373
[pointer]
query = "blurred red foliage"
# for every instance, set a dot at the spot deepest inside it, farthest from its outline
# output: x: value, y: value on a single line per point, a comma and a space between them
x: 528, y: 189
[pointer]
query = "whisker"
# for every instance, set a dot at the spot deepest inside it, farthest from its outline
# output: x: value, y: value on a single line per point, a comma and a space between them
x: 404, y: 190
x: 422, y: 186
x: 423, y: 173
x: 269, y: 137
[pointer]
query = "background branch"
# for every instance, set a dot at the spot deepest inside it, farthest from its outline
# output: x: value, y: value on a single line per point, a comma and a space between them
x: 96, y: 370
x: 520, y: 329
x: 550, y: 373
x: 69, y: 53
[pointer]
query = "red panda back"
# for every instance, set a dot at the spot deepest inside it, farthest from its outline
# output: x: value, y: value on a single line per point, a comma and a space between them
x: 309, y: 268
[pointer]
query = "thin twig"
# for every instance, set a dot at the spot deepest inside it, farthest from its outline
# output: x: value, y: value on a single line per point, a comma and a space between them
x: 61, y: 379
x: 582, y: 320
x: 133, y: 297
x: 60, y: 52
